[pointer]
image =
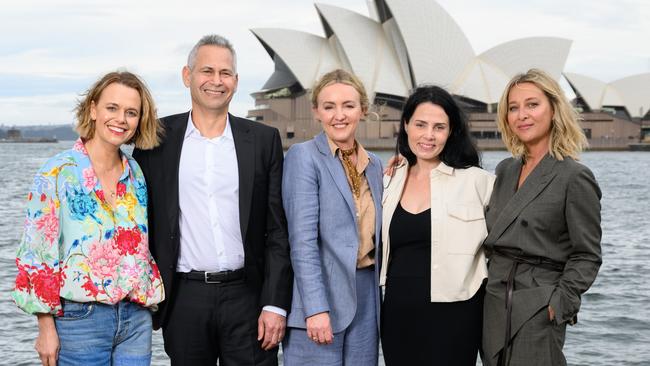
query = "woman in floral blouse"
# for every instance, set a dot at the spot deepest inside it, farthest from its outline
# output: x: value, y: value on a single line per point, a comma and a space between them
x: 84, y: 266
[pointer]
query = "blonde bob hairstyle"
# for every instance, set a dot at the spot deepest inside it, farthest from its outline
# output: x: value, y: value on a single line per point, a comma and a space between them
x: 567, y: 138
x: 149, y: 131
x: 339, y: 76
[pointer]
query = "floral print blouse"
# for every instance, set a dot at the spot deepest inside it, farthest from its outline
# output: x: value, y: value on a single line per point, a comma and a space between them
x: 78, y: 247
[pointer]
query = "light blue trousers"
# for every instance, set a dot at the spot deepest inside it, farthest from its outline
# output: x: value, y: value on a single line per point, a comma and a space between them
x: 97, y: 334
x: 357, y: 345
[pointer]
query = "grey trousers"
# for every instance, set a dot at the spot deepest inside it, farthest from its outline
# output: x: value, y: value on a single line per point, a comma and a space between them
x: 538, y: 342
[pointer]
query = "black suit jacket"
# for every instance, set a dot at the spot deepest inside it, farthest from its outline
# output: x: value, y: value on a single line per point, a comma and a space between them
x: 263, y: 223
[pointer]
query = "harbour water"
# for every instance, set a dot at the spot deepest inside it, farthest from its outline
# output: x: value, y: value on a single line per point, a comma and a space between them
x: 614, y: 326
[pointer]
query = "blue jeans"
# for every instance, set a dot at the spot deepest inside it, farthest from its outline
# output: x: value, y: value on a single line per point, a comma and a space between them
x: 99, y: 334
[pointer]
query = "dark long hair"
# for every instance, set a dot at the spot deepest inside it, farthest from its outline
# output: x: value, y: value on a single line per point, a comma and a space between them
x: 459, y: 151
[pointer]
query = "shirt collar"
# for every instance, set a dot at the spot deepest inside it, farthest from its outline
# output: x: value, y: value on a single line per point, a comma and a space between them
x: 444, y: 168
x: 193, y: 131
x: 363, y: 159
x: 332, y: 146
x: 88, y: 175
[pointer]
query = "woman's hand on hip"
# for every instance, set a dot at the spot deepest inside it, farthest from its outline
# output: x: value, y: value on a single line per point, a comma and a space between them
x: 47, y: 342
x: 319, y: 328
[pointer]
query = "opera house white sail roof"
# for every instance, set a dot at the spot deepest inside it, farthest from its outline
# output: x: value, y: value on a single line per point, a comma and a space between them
x: 407, y: 43
x: 410, y: 43
x: 632, y: 92
x: 301, y: 55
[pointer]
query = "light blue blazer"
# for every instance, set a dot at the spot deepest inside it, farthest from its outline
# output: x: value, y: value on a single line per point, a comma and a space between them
x: 323, y: 232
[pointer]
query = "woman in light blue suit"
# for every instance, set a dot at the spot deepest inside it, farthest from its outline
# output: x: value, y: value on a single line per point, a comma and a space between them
x: 331, y: 190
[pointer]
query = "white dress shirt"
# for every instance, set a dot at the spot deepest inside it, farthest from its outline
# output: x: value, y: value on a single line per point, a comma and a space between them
x: 208, y: 195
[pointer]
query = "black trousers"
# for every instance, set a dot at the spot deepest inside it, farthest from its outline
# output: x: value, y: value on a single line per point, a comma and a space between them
x: 210, y: 322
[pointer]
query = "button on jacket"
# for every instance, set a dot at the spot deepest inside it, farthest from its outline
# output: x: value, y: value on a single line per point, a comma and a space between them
x: 459, y: 198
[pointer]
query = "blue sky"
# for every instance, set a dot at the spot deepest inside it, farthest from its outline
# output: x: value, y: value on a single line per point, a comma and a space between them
x: 51, y: 51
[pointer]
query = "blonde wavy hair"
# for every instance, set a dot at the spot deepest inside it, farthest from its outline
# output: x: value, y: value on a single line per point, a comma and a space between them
x: 339, y: 76
x: 567, y: 137
x: 149, y: 131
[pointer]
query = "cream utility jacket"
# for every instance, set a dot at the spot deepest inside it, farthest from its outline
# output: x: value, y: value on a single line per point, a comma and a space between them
x: 458, y: 201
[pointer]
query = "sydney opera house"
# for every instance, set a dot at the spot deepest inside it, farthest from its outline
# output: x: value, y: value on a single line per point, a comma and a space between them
x: 402, y: 44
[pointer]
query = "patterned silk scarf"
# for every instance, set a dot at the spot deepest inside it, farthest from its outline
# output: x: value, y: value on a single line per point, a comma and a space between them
x: 351, y: 170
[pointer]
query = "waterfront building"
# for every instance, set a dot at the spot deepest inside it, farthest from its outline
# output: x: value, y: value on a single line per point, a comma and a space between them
x: 14, y: 134
x: 403, y: 44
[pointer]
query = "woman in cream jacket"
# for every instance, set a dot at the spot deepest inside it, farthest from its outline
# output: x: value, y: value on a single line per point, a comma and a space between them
x: 434, y: 224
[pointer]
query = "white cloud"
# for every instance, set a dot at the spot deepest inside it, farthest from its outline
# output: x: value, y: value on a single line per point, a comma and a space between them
x: 42, y: 109
x: 61, y: 46
x: 610, y: 38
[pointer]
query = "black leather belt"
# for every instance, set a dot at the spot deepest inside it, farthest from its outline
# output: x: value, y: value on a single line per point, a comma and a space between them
x: 517, y: 257
x: 213, y: 277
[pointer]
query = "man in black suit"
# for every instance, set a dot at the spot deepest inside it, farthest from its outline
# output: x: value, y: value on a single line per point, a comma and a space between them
x: 217, y: 226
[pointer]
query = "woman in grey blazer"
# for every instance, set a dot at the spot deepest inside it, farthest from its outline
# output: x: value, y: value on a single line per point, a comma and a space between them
x: 331, y: 190
x: 544, y: 227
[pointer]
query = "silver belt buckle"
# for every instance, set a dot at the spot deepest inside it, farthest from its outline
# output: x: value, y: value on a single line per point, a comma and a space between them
x: 206, y: 278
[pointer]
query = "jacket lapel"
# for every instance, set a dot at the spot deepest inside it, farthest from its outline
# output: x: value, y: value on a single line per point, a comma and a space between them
x: 245, y: 150
x: 393, y: 189
x: 374, y: 176
x: 175, y: 131
x: 336, y: 170
x: 535, y: 183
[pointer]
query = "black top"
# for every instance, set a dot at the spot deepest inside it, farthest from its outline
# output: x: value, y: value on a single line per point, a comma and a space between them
x: 410, y: 244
